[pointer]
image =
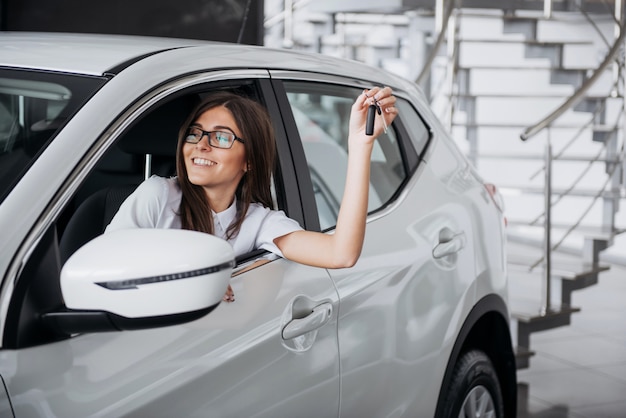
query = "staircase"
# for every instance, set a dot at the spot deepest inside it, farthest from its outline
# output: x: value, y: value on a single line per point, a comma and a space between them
x: 512, y: 70
x: 497, y: 71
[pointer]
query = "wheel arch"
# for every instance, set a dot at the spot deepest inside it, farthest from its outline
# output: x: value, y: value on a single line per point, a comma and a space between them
x: 486, y: 328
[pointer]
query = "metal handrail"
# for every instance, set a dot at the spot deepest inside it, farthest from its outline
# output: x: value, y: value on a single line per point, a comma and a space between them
x: 578, y: 134
x: 581, y: 217
x: 574, y: 183
x: 546, y: 123
x: 440, y: 38
x: 578, y: 95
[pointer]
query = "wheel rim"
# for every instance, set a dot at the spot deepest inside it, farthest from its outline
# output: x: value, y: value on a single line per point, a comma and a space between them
x: 478, y: 404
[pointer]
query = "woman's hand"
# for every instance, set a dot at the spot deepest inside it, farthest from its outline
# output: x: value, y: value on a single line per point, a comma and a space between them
x: 384, y: 100
x: 343, y: 247
x: 229, y: 296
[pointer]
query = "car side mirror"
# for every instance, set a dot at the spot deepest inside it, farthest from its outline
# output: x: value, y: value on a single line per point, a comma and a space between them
x: 142, y: 278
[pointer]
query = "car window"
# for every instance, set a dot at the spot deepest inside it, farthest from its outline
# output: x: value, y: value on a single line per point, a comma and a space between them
x: 418, y: 131
x: 322, y: 115
x: 147, y: 147
x: 32, y: 108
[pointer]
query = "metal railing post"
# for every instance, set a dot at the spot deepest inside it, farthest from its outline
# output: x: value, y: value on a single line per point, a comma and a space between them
x: 451, y: 73
x: 288, y: 25
x: 547, y: 261
x: 547, y: 9
x: 617, y: 69
x: 439, y: 16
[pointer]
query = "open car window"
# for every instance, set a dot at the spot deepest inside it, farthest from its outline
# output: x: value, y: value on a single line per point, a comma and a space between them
x: 322, y: 114
x: 147, y: 147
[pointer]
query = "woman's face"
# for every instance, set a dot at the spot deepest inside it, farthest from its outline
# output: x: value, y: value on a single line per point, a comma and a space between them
x: 218, y: 170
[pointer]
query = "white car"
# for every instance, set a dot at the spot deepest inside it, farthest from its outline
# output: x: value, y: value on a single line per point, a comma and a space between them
x: 131, y: 324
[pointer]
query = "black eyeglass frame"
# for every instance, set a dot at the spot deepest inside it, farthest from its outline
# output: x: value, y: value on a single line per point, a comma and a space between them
x: 208, y: 134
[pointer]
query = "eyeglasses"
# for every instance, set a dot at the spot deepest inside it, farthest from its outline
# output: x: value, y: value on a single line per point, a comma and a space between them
x: 217, y: 139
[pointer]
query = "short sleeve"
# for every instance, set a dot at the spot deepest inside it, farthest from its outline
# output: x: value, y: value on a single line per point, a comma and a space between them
x: 275, y: 224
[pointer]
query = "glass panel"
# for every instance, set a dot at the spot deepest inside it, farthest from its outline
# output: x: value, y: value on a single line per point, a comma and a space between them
x: 418, y: 131
x: 322, y: 114
x: 33, y: 106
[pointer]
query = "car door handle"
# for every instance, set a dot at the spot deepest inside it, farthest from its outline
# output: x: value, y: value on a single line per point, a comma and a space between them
x: 316, y: 319
x: 448, y: 245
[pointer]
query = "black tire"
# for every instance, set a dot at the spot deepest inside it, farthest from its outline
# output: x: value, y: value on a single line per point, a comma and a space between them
x: 474, y: 390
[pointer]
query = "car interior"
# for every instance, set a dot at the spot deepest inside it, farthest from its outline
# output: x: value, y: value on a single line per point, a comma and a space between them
x: 148, y: 147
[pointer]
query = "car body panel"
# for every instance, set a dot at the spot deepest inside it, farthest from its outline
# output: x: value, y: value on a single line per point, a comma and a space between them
x: 6, y: 410
x: 413, y: 309
x: 213, y: 364
x: 395, y: 316
x: 65, y: 52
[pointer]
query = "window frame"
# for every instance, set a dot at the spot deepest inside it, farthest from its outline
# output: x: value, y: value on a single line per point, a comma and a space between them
x: 408, y: 153
x: 15, y: 333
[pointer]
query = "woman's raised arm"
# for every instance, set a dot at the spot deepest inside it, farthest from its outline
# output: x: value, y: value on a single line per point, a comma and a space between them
x: 343, y: 247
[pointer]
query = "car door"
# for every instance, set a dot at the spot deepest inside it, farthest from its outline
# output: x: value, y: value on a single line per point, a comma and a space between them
x: 399, y: 304
x: 246, y: 358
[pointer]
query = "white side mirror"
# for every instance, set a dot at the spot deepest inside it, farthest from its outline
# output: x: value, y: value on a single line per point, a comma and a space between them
x: 142, y: 278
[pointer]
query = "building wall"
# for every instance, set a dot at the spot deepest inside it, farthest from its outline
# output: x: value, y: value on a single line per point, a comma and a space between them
x: 216, y: 20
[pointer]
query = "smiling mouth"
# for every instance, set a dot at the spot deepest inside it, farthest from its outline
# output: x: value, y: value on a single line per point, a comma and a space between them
x: 203, y: 162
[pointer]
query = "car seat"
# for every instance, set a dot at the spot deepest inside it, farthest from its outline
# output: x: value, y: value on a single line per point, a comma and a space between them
x: 155, y: 135
x: 92, y: 217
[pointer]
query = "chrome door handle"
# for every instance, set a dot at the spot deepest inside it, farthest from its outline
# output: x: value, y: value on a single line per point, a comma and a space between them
x: 316, y: 319
x: 450, y: 245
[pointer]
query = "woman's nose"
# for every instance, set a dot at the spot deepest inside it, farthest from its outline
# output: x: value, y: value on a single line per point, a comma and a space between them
x: 204, y: 143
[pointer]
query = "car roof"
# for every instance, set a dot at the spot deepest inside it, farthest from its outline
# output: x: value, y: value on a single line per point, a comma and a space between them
x: 99, y: 54
x: 91, y: 54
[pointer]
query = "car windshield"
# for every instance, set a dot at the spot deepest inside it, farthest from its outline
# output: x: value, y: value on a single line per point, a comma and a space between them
x: 33, y: 107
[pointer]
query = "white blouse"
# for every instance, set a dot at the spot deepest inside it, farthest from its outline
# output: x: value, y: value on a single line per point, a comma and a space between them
x: 155, y: 204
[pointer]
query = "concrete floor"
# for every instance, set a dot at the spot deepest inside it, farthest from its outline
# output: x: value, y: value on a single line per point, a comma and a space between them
x: 578, y: 371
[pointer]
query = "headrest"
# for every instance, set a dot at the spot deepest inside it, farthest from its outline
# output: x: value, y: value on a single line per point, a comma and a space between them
x: 157, y: 132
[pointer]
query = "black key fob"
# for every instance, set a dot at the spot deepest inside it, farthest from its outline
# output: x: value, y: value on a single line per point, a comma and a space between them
x: 371, y: 114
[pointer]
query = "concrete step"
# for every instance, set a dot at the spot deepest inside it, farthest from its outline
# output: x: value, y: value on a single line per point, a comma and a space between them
x: 536, y: 321
x: 533, y: 319
x: 541, y: 157
x: 522, y: 357
x: 575, y: 27
x: 556, y: 191
x: 521, y: 111
x: 574, y: 270
x: 525, y: 208
x: 500, y: 137
x: 536, y: 82
x: 524, y: 174
x: 528, y: 240
x: 509, y: 53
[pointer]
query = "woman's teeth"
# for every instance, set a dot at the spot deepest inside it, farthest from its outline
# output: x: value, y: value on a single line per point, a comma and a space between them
x: 202, y: 161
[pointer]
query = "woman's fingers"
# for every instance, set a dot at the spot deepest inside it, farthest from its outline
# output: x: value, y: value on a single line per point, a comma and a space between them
x: 229, y: 296
x: 384, y: 100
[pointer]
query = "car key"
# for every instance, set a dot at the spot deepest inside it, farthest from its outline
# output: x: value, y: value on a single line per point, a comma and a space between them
x: 371, y: 114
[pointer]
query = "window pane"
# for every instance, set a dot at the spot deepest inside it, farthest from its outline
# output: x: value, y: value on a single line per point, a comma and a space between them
x: 418, y: 131
x: 322, y: 114
x: 33, y: 105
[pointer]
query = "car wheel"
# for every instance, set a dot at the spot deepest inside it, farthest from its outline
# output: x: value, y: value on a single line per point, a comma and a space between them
x: 474, y: 390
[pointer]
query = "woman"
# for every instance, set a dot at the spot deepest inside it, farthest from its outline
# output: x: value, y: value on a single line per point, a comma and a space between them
x: 224, y: 163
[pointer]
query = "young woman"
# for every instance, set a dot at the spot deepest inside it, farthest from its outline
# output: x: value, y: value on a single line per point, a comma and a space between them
x: 224, y: 162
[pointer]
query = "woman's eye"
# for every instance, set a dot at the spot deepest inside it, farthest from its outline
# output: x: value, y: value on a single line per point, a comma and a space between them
x: 222, y: 138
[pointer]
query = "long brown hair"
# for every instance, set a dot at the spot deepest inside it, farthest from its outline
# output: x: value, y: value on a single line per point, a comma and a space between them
x: 255, y: 126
